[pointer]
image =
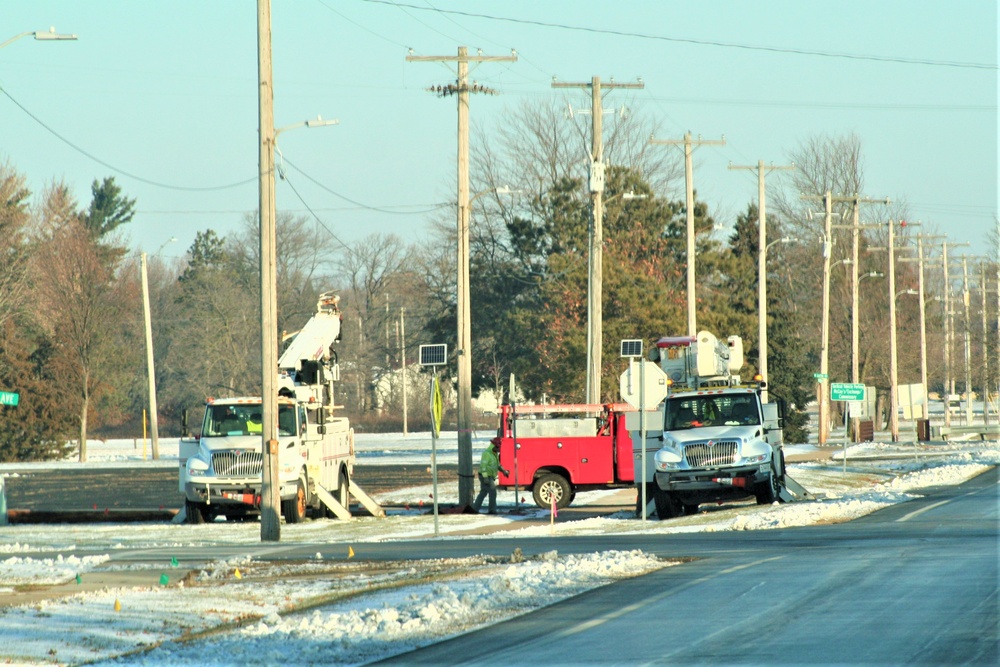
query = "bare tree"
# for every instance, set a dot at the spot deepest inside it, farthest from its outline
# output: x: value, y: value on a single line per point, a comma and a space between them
x: 84, y: 307
x: 15, y: 215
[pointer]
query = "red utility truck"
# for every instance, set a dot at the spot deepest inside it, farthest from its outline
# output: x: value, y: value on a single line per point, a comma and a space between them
x: 556, y: 450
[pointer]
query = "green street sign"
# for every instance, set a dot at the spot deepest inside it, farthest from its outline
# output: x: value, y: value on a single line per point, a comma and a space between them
x: 821, y: 376
x: 9, y: 398
x: 840, y: 391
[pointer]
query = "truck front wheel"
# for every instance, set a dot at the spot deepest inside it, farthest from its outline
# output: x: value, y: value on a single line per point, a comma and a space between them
x: 294, y: 509
x: 194, y: 512
x: 667, y: 505
x: 552, y: 488
x: 767, y: 492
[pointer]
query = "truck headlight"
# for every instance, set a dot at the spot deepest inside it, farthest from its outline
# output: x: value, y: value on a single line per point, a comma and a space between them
x: 197, y: 465
x: 666, y: 459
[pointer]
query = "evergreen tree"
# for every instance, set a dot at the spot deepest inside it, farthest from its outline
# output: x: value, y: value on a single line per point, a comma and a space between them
x: 38, y: 427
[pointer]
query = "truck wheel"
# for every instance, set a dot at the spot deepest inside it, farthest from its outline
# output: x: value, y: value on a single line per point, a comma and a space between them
x: 667, y: 505
x: 194, y: 513
x: 552, y: 487
x: 294, y: 509
x: 340, y: 494
x: 767, y: 492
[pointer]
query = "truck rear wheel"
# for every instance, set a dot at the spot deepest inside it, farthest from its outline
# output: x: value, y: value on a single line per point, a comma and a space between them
x: 552, y: 487
x: 294, y: 509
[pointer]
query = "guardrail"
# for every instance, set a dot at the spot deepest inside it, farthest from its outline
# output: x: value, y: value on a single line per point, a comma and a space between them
x: 942, y: 432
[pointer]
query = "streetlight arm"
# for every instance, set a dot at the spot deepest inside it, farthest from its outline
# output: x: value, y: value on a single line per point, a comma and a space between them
x: 318, y: 121
x: 51, y: 35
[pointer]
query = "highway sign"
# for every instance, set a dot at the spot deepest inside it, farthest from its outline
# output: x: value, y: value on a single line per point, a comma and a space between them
x: 9, y: 398
x: 841, y: 391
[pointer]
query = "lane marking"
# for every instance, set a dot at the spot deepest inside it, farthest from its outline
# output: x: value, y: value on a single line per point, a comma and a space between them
x: 918, y: 512
x: 592, y: 623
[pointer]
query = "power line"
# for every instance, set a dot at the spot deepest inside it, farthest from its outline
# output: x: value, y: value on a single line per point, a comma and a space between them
x: 115, y: 169
x: 433, y: 208
x: 697, y: 42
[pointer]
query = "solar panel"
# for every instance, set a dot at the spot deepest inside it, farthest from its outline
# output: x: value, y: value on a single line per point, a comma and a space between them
x: 631, y: 348
x: 433, y: 355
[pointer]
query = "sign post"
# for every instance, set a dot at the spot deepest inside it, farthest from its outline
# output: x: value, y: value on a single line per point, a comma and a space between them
x: 434, y: 355
x: 845, y: 391
x: 655, y: 392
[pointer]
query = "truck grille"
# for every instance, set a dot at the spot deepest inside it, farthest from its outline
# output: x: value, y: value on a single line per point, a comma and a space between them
x: 238, y: 464
x: 710, y: 454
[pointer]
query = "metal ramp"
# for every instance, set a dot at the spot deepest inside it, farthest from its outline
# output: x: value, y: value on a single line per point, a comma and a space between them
x: 791, y: 491
x: 343, y: 512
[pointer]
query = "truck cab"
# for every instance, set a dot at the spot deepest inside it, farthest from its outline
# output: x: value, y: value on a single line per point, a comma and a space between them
x: 717, y: 444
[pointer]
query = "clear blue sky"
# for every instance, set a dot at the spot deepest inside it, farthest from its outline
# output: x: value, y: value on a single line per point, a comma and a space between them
x: 165, y: 95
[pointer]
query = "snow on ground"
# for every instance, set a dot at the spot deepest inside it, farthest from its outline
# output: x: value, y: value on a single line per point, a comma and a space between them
x: 346, y: 611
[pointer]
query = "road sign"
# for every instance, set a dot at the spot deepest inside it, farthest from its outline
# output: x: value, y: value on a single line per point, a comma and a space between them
x: 9, y: 398
x: 840, y: 391
x: 821, y: 376
x: 653, y: 377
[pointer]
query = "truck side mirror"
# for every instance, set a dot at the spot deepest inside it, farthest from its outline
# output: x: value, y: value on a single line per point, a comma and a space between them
x: 184, y: 424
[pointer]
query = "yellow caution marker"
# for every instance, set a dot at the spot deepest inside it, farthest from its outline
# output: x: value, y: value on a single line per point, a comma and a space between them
x: 350, y: 552
x: 118, y: 605
x: 237, y: 574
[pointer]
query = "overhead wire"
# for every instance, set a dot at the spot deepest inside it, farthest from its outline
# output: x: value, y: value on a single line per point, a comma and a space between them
x: 696, y: 42
x: 119, y: 170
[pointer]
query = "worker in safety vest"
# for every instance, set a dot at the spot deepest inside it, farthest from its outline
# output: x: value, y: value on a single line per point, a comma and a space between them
x: 255, y: 425
x: 489, y: 466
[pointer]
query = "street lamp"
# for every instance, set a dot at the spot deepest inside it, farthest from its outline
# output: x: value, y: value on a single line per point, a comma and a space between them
x: 150, y: 368
x: 595, y: 303
x: 49, y: 36
x: 894, y: 379
x: 464, y: 350
x: 270, y: 519
x: 762, y: 310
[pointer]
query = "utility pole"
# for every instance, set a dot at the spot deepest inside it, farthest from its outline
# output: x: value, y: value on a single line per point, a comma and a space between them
x: 595, y: 250
x: 402, y: 356
x: 761, y: 267
x: 461, y: 89
x: 270, y: 504
x: 949, y: 381
x: 689, y: 145
x: 968, y: 342
x: 921, y: 294
x: 856, y: 228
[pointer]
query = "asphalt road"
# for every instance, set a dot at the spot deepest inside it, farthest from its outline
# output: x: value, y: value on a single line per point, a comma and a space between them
x: 916, y: 583
x: 912, y: 584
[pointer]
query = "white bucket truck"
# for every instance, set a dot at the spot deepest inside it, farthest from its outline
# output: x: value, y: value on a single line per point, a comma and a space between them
x: 221, y: 471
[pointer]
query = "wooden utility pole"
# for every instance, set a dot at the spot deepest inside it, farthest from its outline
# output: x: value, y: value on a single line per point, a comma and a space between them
x: 402, y: 357
x: 595, y: 254
x: 689, y: 145
x: 762, y: 266
x: 461, y: 89
x: 270, y: 504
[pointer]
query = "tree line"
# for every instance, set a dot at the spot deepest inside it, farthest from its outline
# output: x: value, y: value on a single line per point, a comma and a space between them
x: 71, y: 326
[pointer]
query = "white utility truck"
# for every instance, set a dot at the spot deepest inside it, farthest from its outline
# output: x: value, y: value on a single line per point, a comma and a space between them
x: 718, y: 441
x: 221, y: 471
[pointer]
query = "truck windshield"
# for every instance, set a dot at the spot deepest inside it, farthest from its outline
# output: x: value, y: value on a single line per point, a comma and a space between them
x: 244, y: 419
x: 714, y: 410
